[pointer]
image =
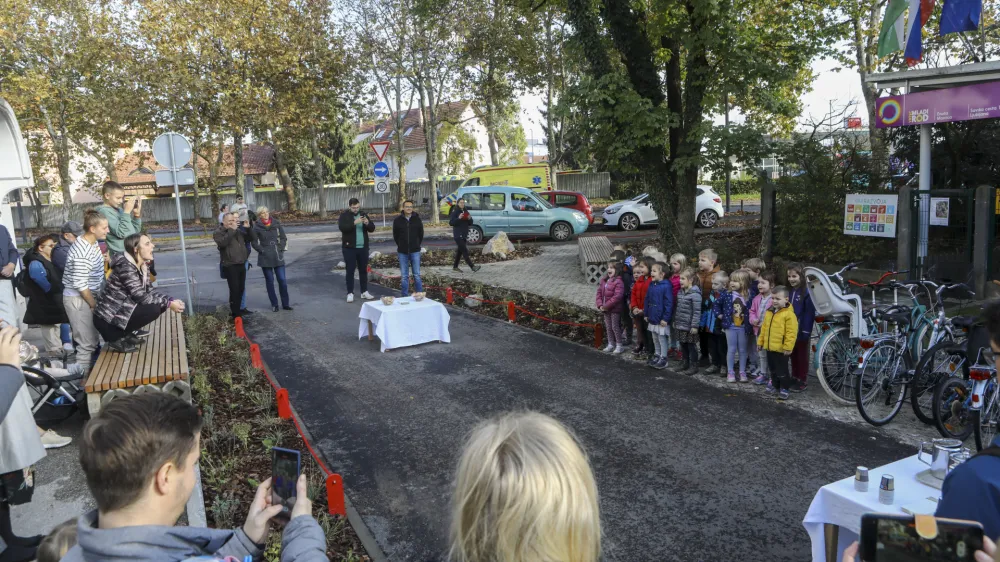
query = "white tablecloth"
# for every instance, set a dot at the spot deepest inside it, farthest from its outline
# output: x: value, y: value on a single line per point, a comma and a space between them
x: 401, y: 325
x: 839, y: 504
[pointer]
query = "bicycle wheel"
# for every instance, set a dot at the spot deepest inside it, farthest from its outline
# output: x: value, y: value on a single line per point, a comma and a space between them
x: 984, y: 421
x: 836, y: 360
x: 881, y: 388
x: 951, y: 408
x: 920, y: 339
x: 944, y: 360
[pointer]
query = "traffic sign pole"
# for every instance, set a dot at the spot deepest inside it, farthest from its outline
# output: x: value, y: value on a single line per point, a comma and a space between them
x: 180, y: 226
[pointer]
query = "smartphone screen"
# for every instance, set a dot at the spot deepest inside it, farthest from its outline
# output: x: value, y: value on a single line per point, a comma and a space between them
x: 889, y: 538
x: 285, y: 467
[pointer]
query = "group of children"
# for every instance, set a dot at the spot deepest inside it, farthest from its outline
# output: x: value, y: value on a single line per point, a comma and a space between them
x: 705, y: 317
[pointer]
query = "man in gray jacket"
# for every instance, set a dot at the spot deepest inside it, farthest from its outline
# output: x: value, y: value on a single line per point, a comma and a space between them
x: 139, y: 456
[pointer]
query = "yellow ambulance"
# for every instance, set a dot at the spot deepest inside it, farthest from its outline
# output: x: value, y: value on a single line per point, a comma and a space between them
x: 534, y: 176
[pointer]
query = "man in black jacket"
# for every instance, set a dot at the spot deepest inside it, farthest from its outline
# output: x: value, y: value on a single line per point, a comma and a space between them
x: 233, y: 252
x: 354, y: 228
x: 408, y: 232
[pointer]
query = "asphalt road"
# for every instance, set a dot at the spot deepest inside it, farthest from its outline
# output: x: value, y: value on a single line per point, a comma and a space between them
x: 685, y: 471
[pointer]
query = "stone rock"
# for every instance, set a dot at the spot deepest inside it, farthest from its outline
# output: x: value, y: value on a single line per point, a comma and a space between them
x: 472, y: 301
x: 423, y: 250
x: 341, y: 265
x: 374, y: 254
x: 499, y: 246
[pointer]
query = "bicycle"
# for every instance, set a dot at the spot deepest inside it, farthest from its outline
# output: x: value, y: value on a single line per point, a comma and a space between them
x: 886, y: 369
x: 952, y: 405
x: 985, y: 408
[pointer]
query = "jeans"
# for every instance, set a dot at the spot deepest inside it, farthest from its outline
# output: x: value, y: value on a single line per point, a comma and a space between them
x: 269, y: 274
x: 405, y: 261
x: 736, y: 337
x: 356, y: 259
x: 65, y: 334
x: 243, y: 301
x: 236, y: 278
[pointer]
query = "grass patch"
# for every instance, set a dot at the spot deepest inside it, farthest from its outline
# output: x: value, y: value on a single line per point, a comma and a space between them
x: 241, y: 425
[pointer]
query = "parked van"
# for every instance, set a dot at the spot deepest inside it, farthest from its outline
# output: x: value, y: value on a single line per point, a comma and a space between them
x: 534, y: 176
x: 518, y: 211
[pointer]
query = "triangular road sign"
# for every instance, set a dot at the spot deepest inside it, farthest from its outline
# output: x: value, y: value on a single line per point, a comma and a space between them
x: 379, y: 148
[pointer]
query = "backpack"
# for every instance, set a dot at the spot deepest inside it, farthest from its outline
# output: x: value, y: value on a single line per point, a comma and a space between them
x: 18, y: 281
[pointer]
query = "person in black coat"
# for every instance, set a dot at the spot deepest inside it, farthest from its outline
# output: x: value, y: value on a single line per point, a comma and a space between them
x: 408, y: 233
x: 354, y: 228
x: 43, y: 287
x: 460, y: 220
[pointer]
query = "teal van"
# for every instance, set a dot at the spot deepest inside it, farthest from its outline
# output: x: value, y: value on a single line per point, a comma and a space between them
x: 518, y: 211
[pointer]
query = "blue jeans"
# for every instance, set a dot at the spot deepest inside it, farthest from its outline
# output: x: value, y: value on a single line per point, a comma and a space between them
x: 737, y: 339
x: 64, y: 333
x: 405, y: 260
x: 243, y: 301
x: 269, y: 275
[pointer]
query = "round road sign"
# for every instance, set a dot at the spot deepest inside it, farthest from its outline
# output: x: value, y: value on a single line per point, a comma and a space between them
x: 181, y: 151
x: 381, y: 186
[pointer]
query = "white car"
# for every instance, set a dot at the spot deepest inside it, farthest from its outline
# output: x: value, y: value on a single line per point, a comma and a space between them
x: 638, y: 211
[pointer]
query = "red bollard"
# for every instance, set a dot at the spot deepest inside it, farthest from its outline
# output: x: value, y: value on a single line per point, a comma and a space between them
x: 598, y: 336
x: 335, y: 495
x: 284, y: 407
x: 238, y: 326
x: 449, y: 296
x: 255, y: 359
x: 511, y: 312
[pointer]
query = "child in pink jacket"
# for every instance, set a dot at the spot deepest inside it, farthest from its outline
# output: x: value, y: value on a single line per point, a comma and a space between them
x: 610, y: 301
x: 765, y: 283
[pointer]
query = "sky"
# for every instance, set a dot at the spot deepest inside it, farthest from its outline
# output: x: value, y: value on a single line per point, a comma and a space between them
x: 839, y: 87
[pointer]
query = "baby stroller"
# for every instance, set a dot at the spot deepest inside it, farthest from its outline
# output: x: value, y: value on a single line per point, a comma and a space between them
x: 56, y: 387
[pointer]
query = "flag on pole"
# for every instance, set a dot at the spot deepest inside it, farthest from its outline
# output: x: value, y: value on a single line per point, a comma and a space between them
x: 960, y: 15
x: 890, y: 39
x: 920, y: 12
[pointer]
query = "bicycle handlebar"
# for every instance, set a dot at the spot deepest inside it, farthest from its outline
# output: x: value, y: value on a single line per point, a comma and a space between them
x: 880, y: 279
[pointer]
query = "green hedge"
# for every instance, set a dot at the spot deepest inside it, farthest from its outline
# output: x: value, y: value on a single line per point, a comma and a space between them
x: 736, y: 186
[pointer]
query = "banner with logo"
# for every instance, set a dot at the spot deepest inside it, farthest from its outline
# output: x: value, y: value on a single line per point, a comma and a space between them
x: 964, y: 103
x: 870, y: 215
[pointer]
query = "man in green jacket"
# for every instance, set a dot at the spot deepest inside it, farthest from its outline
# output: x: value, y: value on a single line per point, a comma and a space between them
x: 123, y: 220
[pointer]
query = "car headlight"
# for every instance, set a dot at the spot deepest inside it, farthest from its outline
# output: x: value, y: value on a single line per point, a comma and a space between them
x: 611, y: 210
x: 579, y: 216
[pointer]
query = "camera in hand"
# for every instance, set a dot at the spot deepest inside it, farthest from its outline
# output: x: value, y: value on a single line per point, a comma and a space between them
x: 286, y: 466
x: 899, y: 538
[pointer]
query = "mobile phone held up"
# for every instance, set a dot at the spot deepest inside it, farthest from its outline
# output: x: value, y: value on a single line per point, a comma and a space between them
x: 892, y: 538
x: 286, y: 465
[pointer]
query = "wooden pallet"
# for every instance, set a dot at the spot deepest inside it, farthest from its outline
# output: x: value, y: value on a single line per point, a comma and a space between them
x: 595, y: 251
x: 160, y: 365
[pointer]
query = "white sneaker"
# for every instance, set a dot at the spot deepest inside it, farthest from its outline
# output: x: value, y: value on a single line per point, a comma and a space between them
x: 68, y: 347
x: 350, y: 297
x: 619, y: 349
x: 52, y: 440
x: 367, y: 296
x: 609, y: 349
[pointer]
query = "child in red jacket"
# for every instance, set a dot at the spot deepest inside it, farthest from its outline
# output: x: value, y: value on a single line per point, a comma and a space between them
x: 639, y: 288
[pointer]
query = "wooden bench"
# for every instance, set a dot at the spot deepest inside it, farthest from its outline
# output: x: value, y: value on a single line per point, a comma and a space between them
x: 160, y: 365
x: 594, y: 254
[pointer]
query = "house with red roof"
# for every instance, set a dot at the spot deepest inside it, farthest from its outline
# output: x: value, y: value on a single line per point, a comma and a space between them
x: 136, y: 170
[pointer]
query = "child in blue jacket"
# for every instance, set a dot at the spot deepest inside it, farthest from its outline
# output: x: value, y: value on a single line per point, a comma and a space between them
x: 805, y: 311
x: 659, y: 311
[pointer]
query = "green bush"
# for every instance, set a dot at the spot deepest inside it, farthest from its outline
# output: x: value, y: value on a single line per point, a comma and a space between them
x: 736, y: 186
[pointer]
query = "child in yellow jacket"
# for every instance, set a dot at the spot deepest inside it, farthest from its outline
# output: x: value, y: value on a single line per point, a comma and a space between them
x: 777, y: 336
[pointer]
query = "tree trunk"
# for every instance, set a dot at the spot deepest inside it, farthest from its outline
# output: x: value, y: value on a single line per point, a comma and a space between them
x: 285, y: 178
x: 197, y: 198
x: 866, y: 65
x: 429, y: 125
x: 238, y: 165
x: 318, y: 173
x: 549, y: 87
x: 491, y: 135
x: 398, y: 145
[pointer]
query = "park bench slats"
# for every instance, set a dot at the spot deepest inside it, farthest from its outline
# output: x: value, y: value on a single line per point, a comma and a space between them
x: 594, y: 254
x: 161, y: 358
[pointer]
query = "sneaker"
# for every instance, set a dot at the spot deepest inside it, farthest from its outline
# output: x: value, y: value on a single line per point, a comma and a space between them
x: 713, y: 370
x: 52, y: 440
x: 456, y: 270
x: 476, y: 268
x: 275, y: 309
x: 141, y: 333
x: 619, y: 350
x: 350, y: 297
x: 761, y: 380
x: 287, y: 308
x: 798, y: 386
x: 653, y: 361
x: 683, y: 368
x: 770, y: 390
x: 246, y: 311
x: 123, y: 346
x: 731, y: 377
x: 637, y: 350
x: 68, y: 347
x: 610, y: 348
x: 367, y: 296
x: 743, y: 377
x: 661, y: 364
x: 693, y: 370
x: 132, y: 339
x: 783, y: 394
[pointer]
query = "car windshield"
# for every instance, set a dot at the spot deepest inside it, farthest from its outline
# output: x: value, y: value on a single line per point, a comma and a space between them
x: 639, y: 198
x: 545, y: 204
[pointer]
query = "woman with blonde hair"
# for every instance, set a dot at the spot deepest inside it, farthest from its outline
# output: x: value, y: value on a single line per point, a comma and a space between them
x: 524, y: 492
x: 268, y: 237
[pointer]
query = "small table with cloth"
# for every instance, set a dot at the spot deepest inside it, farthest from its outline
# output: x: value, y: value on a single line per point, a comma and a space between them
x: 402, y: 325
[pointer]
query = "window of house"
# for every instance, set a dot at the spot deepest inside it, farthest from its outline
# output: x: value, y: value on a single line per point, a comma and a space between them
x: 408, y: 131
x: 378, y: 134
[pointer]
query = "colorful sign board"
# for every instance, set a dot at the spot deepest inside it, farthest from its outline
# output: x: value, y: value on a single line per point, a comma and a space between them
x: 870, y: 215
x: 940, y: 209
x: 852, y: 123
x: 964, y: 103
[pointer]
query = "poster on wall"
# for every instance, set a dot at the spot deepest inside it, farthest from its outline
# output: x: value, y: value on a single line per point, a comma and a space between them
x: 870, y: 215
x: 940, y: 209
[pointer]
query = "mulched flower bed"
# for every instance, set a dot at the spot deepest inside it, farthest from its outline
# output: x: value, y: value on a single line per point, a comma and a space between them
x: 241, y: 425
x: 447, y: 257
x: 542, y: 306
